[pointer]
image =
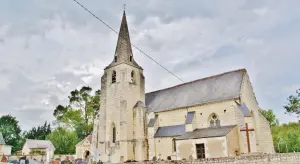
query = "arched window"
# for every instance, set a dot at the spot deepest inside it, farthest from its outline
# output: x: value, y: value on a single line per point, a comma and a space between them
x: 132, y: 77
x: 214, y: 120
x: 113, y: 134
x: 113, y: 77
x: 174, y: 145
x: 116, y: 58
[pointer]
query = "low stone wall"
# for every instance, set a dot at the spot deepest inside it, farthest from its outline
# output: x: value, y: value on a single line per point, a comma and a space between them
x: 39, y: 157
x: 284, y: 158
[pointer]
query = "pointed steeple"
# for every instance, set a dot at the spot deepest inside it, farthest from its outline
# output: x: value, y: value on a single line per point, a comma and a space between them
x: 123, y: 49
x: 123, y: 52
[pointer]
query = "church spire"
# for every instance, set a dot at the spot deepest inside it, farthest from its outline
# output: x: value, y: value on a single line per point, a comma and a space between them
x: 123, y: 49
x: 123, y: 52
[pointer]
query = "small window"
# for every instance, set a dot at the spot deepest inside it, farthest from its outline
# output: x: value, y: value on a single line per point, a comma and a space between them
x: 113, y: 78
x: 116, y: 58
x: 130, y: 58
x: 212, y: 123
x: 218, y: 124
x: 132, y: 77
x: 225, y: 111
x: 174, y: 145
x: 114, y: 134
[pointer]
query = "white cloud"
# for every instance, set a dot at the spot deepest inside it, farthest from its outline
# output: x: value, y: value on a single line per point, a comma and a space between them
x: 261, y: 11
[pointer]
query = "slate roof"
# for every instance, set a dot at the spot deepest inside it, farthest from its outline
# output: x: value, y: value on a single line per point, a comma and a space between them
x: 2, y: 142
x: 207, y: 132
x: 88, y: 138
x: 139, y: 104
x: 244, y: 109
x: 123, y: 51
x: 40, y: 144
x: 189, y: 117
x: 220, y: 87
x: 170, y: 131
x: 152, y: 121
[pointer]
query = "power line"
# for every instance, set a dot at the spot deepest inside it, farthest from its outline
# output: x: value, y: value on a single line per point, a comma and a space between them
x: 129, y: 43
x: 172, y: 95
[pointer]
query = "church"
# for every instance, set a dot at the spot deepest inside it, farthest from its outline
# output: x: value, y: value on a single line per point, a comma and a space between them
x: 212, y: 117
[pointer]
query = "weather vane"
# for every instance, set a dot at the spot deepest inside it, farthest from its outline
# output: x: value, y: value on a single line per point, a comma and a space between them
x: 124, y: 7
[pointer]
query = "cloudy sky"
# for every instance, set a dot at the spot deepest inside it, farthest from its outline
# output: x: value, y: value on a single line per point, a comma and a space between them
x: 48, y: 48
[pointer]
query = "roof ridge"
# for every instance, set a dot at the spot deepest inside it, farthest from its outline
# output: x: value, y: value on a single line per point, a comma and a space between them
x: 209, y: 77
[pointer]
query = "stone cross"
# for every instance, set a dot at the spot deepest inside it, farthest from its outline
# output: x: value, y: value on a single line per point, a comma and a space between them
x: 247, y: 130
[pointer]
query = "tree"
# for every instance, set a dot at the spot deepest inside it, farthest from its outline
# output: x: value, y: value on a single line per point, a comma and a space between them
x: 293, y: 106
x: 40, y: 133
x: 10, y: 129
x: 286, y: 137
x: 64, y: 140
x: 80, y: 113
x: 270, y: 116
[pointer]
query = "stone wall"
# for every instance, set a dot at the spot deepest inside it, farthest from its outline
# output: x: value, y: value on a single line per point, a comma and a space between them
x: 39, y: 157
x: 284, y: 158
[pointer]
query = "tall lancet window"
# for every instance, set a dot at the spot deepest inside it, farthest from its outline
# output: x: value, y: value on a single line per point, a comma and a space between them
x: 174, y: 144
x: 132, y: 77
x: 116, y: 58
x: 130, y: 58
x: 113, y: 133
x: 214, y: 120
x: 113, y: 77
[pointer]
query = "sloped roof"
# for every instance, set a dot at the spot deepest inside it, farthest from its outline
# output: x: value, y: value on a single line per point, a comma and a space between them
x: 123, y: 51
x: 2, y: 142
x: 88, y: 138
x: 170, y: 131
x: 208, y: 132
x: 245, y: 110
x: 220, y: 87
x: 45, y: 144
x: 139, y: 104
x: 152, y: 121
x: 189, y: 117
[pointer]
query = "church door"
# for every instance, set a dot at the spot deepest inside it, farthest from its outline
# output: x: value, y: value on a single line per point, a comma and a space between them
x: 200, y: 149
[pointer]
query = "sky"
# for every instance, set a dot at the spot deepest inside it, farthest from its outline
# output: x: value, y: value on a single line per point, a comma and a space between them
x: 48, y: 48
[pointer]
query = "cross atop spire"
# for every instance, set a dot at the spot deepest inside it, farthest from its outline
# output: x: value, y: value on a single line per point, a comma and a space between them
x: 123, y: 52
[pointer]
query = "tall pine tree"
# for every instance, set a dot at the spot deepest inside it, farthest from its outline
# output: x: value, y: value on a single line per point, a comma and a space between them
x: 40, y: 132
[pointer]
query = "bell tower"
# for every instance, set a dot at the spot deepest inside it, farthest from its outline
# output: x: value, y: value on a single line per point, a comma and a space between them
x: 121, y: 121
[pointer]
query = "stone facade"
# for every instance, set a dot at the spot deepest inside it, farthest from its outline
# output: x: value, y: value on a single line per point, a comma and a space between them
x: 45, y: 146
x: 4, y: 149
x: 217, y: 114
x: 83, y: 148
x: 121, y: 123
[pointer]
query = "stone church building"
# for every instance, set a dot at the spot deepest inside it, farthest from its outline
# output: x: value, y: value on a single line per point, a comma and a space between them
x: 217, y: 116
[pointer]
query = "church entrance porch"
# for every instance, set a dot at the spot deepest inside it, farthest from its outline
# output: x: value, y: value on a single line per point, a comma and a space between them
x: 86, y: 154
x: 208, y: 143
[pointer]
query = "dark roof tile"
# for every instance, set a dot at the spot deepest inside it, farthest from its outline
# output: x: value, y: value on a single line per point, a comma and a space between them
x: 221, y: 87
x: 170, y: 131
x: 189, y: 118
x: 207, y: 132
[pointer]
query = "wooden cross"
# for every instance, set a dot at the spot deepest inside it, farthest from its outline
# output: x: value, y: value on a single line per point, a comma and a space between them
x: 247, y: 134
